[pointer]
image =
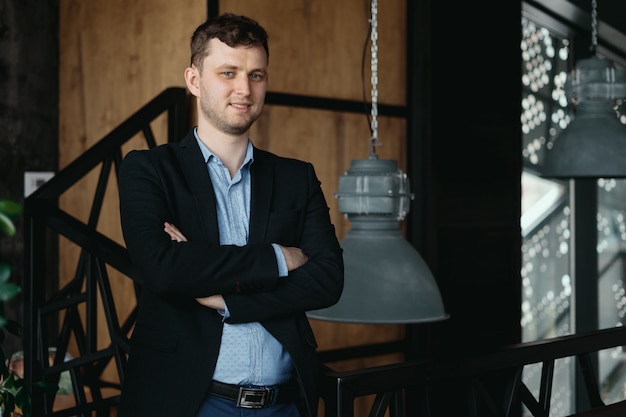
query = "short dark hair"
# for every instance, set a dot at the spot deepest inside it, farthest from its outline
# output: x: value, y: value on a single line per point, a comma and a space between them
x: 232, y: 29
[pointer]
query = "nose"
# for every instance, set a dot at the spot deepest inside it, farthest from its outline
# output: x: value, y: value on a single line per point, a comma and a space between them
x: 242, y: 85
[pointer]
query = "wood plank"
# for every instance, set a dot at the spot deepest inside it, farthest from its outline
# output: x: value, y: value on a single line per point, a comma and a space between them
x: 114, y: 57
x: 316, y: 47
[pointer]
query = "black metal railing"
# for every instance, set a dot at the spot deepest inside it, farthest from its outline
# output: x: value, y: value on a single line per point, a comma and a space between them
x: 389, y: 384
x: 71, y: 315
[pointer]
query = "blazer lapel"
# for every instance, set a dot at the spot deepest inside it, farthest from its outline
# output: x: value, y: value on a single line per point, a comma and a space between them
x: 261, y: 189
x: 197, y: 176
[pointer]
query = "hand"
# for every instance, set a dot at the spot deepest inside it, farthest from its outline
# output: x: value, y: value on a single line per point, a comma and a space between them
x: 215, y: 302
x: 174, y: 233
x: 294, y: 257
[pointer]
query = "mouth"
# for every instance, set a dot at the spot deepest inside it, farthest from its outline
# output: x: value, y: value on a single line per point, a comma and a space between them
x: 241, y: 106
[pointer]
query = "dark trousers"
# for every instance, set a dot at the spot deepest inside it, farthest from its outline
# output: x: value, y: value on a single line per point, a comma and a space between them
x: 220, y: 407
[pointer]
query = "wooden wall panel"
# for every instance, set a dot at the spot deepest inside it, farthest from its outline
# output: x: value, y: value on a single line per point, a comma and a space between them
x: 316, y: 46
x: 114, y: 57
x: 330, y: 141
x: 316, y: 49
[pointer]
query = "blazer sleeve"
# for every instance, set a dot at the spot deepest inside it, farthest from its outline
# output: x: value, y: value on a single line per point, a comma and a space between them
x: 319, y: 282
x: 152, y: 190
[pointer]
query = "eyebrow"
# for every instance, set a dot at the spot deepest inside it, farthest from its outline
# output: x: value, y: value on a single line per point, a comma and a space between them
x: 235, y: 67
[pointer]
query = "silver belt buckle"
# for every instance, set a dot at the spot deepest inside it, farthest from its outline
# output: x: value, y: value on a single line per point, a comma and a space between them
x: 254, y: 397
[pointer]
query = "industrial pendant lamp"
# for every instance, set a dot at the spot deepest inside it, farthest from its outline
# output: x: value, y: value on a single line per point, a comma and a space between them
x: 593, y: 145
x: 386, y: 280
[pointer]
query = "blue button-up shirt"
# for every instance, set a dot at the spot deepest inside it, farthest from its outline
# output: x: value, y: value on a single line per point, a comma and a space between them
x: 249, y: 354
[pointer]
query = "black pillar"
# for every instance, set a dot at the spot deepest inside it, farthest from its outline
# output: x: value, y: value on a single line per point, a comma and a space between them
x: 29, y: 97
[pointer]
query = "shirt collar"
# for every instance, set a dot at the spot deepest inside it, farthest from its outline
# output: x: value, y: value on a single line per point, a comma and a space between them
x: 207, y: 153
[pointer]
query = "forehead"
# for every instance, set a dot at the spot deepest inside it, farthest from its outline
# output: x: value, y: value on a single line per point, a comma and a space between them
x: 218, y: 53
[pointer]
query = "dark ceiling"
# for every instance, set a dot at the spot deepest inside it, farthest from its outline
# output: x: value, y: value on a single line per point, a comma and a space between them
x: 612, y: 12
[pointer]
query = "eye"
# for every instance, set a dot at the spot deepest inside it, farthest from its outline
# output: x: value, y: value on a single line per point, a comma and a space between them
x: 257, y: 76
x: 227, y: 74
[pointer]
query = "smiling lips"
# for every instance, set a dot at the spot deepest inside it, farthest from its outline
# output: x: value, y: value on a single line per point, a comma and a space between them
x: 241, y: 106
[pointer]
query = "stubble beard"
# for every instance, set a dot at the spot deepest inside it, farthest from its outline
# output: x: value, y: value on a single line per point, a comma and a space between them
x: 223, y: 124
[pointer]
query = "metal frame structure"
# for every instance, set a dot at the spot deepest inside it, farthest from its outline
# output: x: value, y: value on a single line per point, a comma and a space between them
x: 76, y: 304
x: 395, y: 386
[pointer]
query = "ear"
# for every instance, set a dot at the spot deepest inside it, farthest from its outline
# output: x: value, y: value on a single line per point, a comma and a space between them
x: 192, y: 79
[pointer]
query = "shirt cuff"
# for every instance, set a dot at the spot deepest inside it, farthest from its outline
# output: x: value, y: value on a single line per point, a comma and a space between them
x: 280, y: 258
x: 224, y: 313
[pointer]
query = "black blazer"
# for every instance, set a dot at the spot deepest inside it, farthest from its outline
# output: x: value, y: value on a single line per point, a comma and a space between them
x: 175, y: 343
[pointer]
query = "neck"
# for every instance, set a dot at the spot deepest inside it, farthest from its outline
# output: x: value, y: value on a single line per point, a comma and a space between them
x: 230, y: 149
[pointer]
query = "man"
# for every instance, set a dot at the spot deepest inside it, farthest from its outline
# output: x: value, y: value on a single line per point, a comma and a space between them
x: 232, y: 245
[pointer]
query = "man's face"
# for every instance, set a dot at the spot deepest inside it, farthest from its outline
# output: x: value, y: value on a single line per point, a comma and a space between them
x: 232, y: 86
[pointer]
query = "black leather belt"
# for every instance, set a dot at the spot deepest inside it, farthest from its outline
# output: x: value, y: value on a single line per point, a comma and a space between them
x: 255, y: 397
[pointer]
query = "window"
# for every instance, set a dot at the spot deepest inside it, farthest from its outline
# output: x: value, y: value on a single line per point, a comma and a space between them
x: 547, y: 286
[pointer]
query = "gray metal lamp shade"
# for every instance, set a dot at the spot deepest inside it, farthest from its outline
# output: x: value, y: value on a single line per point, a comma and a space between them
x: 593, y: 145
x: 386, y: 280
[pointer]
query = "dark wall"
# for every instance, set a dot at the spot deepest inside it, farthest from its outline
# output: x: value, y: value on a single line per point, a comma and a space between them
x: 465, y: 147
x: 465, y: 111
x: 28, y: 112
x: 476, y: 166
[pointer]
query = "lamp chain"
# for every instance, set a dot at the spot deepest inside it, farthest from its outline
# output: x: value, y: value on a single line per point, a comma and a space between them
x: 594, y: 26
x: 374, y: 62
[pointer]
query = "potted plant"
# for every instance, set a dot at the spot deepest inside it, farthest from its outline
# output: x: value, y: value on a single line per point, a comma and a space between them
x: 14, y: 398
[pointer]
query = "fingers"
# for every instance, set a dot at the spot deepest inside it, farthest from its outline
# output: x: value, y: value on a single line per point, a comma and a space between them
x: 174, y: 233
x: 215, y: 302
x: 294, y: 257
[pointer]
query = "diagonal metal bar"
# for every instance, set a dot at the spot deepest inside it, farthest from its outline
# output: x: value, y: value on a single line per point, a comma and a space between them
x: 78, y: 301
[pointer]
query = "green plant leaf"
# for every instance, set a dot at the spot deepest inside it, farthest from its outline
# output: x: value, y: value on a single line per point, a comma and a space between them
x: 23, y: 400
x: 5, y: 272
x: 9, y: 383
x: 8, y: 291
x: 5, y: 373
x: 12, y: 390
x: 18, y: 382
x: 8, y: 402
x: 10, y: 208
x: 45, y: 387
x: 6, y: 225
